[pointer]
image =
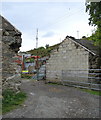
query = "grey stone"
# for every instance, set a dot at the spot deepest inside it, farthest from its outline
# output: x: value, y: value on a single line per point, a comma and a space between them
x: 11, y: 41
x: 72, y: 59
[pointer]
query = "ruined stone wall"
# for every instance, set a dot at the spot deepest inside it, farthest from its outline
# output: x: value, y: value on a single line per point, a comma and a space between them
x: 0, y: 56
x: 94, y: 61
x: 95, y: 65
x: 11, y: 42
x: 68, y: 58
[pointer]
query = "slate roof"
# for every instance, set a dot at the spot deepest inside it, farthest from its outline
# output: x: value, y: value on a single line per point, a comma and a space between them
x: 88, y: 44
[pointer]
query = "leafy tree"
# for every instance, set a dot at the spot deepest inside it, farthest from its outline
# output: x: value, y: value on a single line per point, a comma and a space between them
x: 47, y: 46
x: 83, y: 37
x: 94, y: 9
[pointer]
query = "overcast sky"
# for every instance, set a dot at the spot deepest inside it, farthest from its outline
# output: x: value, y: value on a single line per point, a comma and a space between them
x: 54, y: 20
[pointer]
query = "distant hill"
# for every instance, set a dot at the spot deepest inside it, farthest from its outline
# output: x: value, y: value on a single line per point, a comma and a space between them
x: 41, y: 51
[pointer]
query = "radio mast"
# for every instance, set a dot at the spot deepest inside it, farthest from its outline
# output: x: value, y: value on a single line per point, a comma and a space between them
x: 37, y: 66
x: 77, y: 34
x: 37, y: 38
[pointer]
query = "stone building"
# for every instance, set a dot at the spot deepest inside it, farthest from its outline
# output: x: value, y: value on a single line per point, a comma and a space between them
x: 10, y: 43
x: 73, y: 60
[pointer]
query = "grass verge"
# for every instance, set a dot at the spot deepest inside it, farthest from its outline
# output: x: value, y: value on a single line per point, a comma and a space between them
x: 27, y: 76
x: 12, y: 100
x: 91, y: 91
x: 94, y: 92
x: 0, y: 106
x: 53, y: 83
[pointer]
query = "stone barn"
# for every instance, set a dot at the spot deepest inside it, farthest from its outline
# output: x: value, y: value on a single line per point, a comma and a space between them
x: 10, y: 43
x: 74, y: 61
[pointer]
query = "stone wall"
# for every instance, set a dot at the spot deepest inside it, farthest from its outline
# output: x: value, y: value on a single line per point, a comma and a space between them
x: 0, y: 56
x: 95, y: 63
x: 11, y: 42
x: 67, y: 59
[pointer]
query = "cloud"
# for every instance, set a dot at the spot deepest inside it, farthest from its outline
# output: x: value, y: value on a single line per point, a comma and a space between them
x: 28, y: 42
x: 54, y: 21
x: 49, y: 34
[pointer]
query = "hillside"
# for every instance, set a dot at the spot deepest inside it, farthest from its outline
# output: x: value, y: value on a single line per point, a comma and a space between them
x: 41, y: 51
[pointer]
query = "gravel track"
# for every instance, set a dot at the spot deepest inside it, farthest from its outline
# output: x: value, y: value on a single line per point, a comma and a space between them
x: 55, y: 101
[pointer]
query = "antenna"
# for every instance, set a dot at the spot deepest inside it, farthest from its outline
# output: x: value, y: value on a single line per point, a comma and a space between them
x: 77, y: 34
x: 60, y: 39
x: 37, y: 53
x: 37, y: 38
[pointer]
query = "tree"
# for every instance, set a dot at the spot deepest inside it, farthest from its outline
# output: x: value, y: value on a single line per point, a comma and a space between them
x: 94, y: 9
x: 83, y: 37
x: 47, y: 46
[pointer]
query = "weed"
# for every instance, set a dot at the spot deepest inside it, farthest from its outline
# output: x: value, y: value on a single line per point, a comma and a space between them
x: 11, y: 100
x: 27, y: 76
x: 92, y: 91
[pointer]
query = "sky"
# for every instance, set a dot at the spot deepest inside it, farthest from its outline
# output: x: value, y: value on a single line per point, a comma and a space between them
x: 54, y: 21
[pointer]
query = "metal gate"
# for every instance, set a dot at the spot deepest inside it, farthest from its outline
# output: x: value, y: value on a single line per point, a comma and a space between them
x: 90, y: 78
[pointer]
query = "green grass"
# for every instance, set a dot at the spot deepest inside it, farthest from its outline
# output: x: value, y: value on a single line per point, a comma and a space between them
x: 92, y: 91
x: 54, y: 83
x: 12, y: 100
x: 27, y: 76
x: 41, y: 51
x: 0, y: 106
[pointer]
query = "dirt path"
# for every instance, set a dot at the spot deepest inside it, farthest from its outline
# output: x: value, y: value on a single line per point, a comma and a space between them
x: 55, y: 101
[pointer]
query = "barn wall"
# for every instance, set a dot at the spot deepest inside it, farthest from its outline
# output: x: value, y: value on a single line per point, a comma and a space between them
x: 70, y: 58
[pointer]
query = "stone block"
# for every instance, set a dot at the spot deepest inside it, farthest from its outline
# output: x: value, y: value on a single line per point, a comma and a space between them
x: 10, y: 46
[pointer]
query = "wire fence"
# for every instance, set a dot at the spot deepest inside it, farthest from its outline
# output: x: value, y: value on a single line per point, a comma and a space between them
x: 90, y: 79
